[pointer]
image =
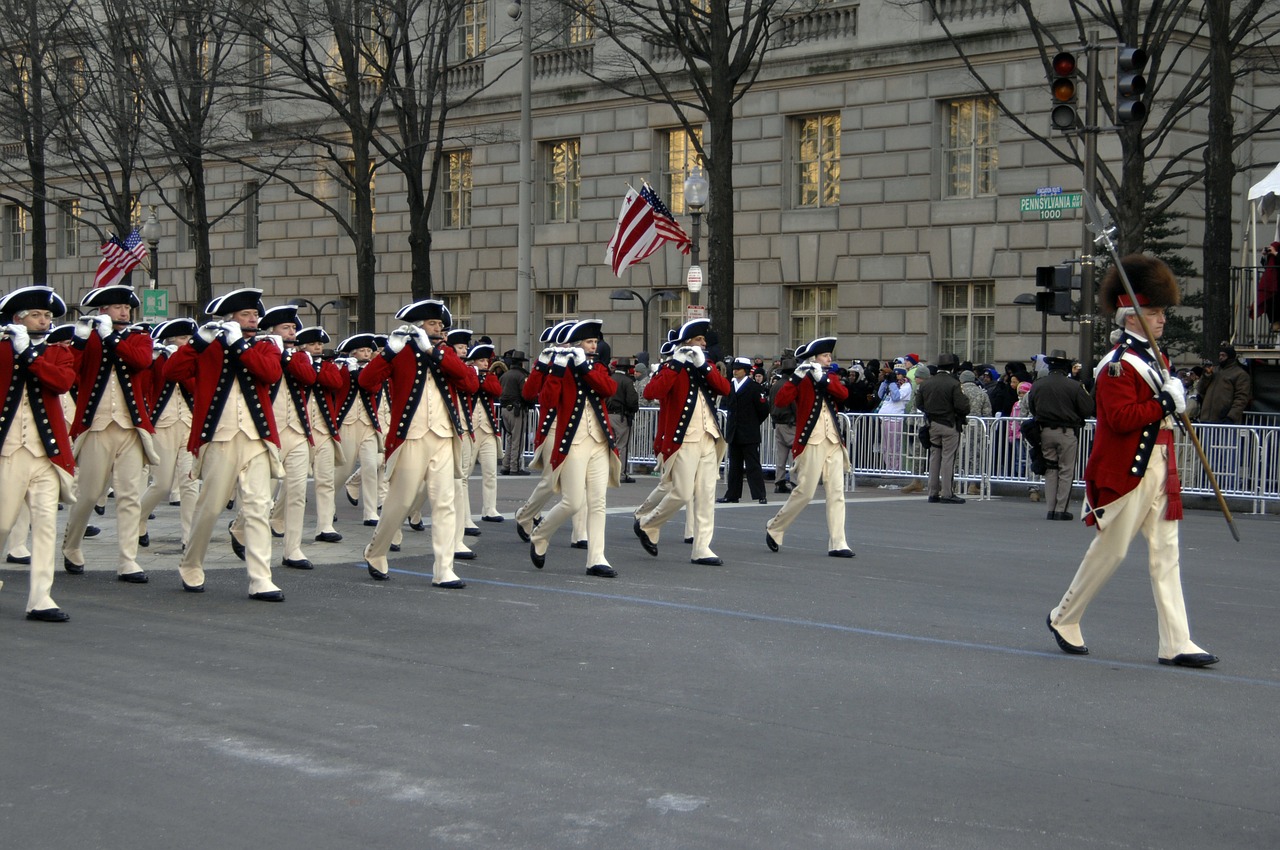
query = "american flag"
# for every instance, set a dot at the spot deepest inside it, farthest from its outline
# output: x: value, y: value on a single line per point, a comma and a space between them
x: 644, y: 225
x: 119, y: 258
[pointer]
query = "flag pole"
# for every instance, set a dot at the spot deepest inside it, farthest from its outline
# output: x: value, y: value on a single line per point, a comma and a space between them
x: 1103, y: 231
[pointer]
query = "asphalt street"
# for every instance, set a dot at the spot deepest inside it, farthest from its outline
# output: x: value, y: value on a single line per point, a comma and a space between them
x: 908, y: 698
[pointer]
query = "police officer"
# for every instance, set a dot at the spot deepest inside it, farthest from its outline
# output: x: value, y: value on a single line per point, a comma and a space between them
x: 1060, y: 405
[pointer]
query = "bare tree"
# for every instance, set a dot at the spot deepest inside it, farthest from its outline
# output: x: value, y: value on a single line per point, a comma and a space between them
x: 700, y: 58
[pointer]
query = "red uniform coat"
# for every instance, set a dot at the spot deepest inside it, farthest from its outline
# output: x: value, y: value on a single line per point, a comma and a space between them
x: 159, y: 390
x: 54, y: 369
x: 561, y: 391
x: 206, y: 362
x: 805, y: 393
x: 1127, y: 432
x: 532, y: 392
x: 670, y: 388
x: 485, y: 398
x: 134, y: 351
x: 330, y: 382
x: 407, y: 371
x: 349, y: 392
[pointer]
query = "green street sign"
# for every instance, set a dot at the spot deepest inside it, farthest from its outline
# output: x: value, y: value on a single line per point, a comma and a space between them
x: 1051, y: 205
x: 155, y: 304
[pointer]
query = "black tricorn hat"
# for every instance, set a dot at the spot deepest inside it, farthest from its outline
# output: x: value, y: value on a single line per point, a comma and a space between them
x: 692, y: 328
x: 173, y: 327
x: 585, y: 329
x: 421, y: 311
x: 285, y: 314
x: 459, y: 336
x: 351, y: 343
x: 62, y: 333
x: 235, y: 301
x: 105, y: 296
x: 821, y: 345
x: 32, y: 298
x: 483, y: 349
x: 312, y: 334
x: 1152, y: 280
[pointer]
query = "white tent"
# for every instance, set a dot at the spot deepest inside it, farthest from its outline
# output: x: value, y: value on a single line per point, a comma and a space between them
x: 1264, y: 200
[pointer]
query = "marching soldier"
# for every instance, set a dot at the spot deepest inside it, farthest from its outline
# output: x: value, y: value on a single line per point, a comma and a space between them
x: 357, y: 411
x: 112, y: 428
x: 170, y: 410
x: 233, y: 433
x: 460, y: 340
x: 689, y: 439
x: 484, y: 424
x: 584, y: 461
x: 423, y: 445
x: 658, y: 493
x: 326, y: 436
x: 819, y: 449
x: 35, y: 450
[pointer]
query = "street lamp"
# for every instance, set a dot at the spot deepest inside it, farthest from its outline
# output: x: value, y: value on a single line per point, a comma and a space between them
x: 319, y: 308
x: 695, y: 197
x: 524, y: 195
x: 660, y: 295
x: 150, y: 233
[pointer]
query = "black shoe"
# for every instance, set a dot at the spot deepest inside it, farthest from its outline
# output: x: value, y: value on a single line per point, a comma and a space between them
x: 175, y: 504
x: 521, y: 533
x: 951, y: 500
x: 275, y: 533
x: 49, y: 615
x: 1052, y: 515
x: 539, y: 561
x: 414, y: 526
x: 578, y: 544
x: 377, y: 576
x: 231, y: 505
x: 456, y: 584
x: 762, y: 500
x: 17, y: 559
x: 354, y: 502
x: 1065, y: 516
x: 236, y: 545
x: 723, y: 500
x: 708, y: 562
x: 933, y: 500
x: 328, y: 537
x: 649, y: 545
x: 688, y: 540
x: 298, y: 564
x: 495, y: 518
x: 1191, y: 659
x: 151, y: 516
x: 100, y: 510
x: 371, y: 522
x: 471, y: 532
x: 394, y: 547
x: 521, y: 472
x: 1071, y: 648
x: 770, y: 542
x: 839, y: 553
x: 781, y: 487
x: 268, y: 596
x: 193, y: 588
x: 626, y: 479
x: 139, y: 577
x: 145, y: 540
x: 72, y: 567
x: 504, y: 472
x: 92, y: 531
x: 602, y: 571
x: 464, y: 556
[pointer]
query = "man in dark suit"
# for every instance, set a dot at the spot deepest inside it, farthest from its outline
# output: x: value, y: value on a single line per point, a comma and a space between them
x: 747, y: 406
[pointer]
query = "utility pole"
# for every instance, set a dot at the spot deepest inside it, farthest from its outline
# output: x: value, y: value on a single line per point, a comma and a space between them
x: 1090, y: 131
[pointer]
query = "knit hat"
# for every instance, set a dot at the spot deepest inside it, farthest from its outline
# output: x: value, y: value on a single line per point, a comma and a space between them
x: 967, y: 377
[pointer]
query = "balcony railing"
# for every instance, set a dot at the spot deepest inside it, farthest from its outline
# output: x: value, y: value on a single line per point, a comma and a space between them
x: 574, y: 59
x: 960, y: 10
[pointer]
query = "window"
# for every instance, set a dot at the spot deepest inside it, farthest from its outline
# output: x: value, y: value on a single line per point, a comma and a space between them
x: 817, y: 161
x: 457, y: 189
x: 579, y: 27
x: 968, y: 320
x: 69, y: 229
x: 561, y: 180
x: 187, y: 227
x: 679, y: 156
x: 671, y: 315
x: 969, y: 155
x: 15, y: 232
x: 471, y: 34
x: 251, y: 209
x: 259, y: 65
x: 69, y: 93
x: 459, y: 309
x: 812, y: 312
x: 559, y: 306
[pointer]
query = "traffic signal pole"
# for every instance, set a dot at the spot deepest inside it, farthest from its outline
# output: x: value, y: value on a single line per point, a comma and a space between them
x: 1088, y: 309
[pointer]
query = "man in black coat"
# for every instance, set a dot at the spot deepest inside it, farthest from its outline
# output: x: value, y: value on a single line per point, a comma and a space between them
x: 747, y: 406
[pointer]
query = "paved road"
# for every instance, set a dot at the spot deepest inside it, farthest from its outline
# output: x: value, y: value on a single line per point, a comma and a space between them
x: 910, y: 698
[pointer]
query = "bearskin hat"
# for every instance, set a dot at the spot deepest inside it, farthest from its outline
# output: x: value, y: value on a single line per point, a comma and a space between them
x: 1153, y: 282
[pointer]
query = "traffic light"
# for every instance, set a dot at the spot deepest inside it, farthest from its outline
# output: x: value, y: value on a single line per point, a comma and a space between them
x: 1130, y: 85
x: 1056, y: 282
x: 1062, y: 88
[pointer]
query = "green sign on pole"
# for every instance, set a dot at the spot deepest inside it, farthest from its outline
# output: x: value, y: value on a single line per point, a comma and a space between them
x: 1051, y: 204
x: 155, y: 303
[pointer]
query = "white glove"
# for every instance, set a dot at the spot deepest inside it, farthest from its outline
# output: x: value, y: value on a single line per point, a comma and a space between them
x: 698, y: 356
x: 545, y: 357
x: 420, y: 338
x: 396, y: 341
x: 562, y: 358
x: 170, y: 350
x: 104, y: 325
x: 1175, y: 390
x: 819, y: 374
x: 274, y: 339
x: 207, y: 332
x: 232, y: 332
x: 681, y: 354
x: 84, y: 327
x: 19, y: 336
x: 349, y: 362
x: 579, y: 356
x: 157, y: 348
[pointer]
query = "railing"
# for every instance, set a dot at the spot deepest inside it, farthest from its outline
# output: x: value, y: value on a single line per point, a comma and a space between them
x: 1247, y: 329
x: 574, y: 59
x: 1245, y: 459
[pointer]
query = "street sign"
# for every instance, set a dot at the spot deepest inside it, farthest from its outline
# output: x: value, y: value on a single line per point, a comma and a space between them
x: 1051, y: 204
x: 695, y: 311
x: 155, y: 303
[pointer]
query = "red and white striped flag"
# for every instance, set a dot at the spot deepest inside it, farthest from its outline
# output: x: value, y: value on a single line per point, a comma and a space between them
x: 644, y: 225
x: 119, y: 258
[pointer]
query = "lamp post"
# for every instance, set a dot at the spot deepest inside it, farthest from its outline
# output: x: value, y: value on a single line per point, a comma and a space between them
x: 150, y: 233
x: 695, y: 197
x: 524, y: 196
x: 660, y: 295
x: 318, y: 308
